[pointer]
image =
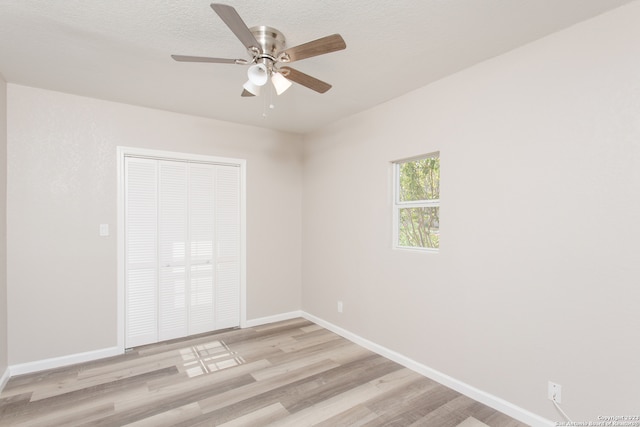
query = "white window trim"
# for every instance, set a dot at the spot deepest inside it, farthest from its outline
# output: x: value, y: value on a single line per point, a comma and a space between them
x: 397, y: 204
x: 123, y: 152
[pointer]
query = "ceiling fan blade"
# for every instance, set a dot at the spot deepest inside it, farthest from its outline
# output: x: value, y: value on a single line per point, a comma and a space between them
x: 305, y: 79
x: 235, y: 23
x: 246, y: 93
x: 317, y: 47
x: 186, y: 58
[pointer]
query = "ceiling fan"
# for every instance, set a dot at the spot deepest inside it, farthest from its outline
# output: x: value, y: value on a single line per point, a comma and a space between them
x: 266, y: 45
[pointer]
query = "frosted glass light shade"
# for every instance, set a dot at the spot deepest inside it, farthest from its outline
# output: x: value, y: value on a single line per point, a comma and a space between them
x: 280, y: 83
x: 250, y: 87
x: 258, y: 74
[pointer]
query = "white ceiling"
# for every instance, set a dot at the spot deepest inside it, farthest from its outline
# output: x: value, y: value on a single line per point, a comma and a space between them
x: 119, y: 49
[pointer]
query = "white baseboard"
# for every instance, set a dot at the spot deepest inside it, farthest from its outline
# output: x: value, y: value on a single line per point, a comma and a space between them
x: 4, y: 379
x: 57, y: 362
x: 490, y: 400
x: 457, y: 385
x: 272, y: 319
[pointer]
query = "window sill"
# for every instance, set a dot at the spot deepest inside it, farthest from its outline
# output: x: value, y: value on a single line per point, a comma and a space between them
x: 416, y: 250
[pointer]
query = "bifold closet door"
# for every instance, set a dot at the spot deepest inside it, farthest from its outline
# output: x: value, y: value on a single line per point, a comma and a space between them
x: 214, y: 236
x: 182, y: 249
x: 202, y: 241
x: 141, y: 251
x: 227, y: 225
x: 173, y: 256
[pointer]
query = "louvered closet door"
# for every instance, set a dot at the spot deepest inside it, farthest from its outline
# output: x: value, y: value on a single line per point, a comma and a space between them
x: 141, y: 255
x: 173, y: 255
x: 182, y: 249
x: 201, y: 237
x: 215, y: 247
x: 227, y: 197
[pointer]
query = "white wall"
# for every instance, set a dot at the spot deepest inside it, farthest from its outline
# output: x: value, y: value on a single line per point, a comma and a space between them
x: 3, y: 229
x: 62, y: 185
x: 537, y: 276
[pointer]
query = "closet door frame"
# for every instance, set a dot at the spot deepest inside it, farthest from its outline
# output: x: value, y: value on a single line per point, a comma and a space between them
x: 122, y: 153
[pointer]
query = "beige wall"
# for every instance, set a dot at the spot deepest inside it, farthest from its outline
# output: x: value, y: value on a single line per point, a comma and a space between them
x: 3, y: 227
x: 62, y: 185
x: 537, y: 276
x: 536, y: 279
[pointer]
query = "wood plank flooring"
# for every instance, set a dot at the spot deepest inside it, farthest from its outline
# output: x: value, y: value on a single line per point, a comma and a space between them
x: 291, y: 373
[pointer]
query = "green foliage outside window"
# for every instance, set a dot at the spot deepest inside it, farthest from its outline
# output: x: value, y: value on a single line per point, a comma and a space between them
x: 418, y: 203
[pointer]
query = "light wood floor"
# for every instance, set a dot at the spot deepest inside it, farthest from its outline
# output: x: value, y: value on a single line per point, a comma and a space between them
x: 291, y: 373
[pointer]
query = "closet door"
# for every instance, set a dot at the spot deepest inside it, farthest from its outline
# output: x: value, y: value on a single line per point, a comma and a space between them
x: 182, y: 249
x: 173, y: 250
x: 214, y: 235
x: 201, y: 238
x: 227, y: 202
x: 141, y: 255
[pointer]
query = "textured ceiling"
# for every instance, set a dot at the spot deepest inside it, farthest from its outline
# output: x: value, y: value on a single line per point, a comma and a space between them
x: 119, y: 49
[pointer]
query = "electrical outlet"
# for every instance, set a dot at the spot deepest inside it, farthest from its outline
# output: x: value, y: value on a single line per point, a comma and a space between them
x: 554, y: 392
x: 339, y: 306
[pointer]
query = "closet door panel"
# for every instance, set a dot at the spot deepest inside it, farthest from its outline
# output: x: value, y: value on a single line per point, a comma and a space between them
x: 201, y: 238
x: 227, y: 297
x: 227, y: 225
x: 173, y: 255
x: 141, y: 267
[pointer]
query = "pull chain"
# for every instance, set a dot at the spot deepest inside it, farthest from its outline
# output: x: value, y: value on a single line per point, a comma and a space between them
x: 268, y: 103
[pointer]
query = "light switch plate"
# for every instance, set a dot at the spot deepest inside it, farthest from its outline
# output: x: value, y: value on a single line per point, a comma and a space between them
x: 104, y: 229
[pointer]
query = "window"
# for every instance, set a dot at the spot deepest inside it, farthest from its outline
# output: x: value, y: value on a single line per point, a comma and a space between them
x: 417, y: 203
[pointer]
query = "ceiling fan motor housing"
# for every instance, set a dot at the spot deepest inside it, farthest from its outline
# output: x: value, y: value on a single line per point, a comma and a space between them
x: 271, y: 41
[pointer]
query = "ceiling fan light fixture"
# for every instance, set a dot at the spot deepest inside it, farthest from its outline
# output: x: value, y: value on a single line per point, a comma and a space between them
x: 280, y: 83
x: 258, y: 74
x: 250, y: 87
x: 267, y: 48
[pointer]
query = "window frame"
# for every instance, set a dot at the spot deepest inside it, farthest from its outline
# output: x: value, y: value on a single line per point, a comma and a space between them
x: 398, y: 204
